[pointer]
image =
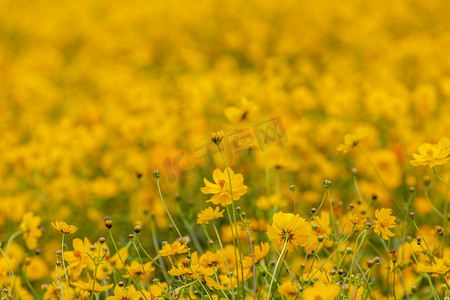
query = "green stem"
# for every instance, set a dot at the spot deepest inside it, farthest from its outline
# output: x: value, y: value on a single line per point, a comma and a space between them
x: 12, y: 273
x: 170, y: 216
x: 64, y: 266
x: 121, y: 260
x: 275, y: 270
x: 226, y: 261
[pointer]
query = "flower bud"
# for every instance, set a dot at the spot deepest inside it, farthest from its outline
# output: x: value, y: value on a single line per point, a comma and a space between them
x: 137, y: 228
x: 120, y: 283
x: 370, y: 263
x: 156, y: 174
x: 412, y: 215
x: 326, y: 184
x: 109, y: 224
x: 292, y: 188
x: 102, y: 240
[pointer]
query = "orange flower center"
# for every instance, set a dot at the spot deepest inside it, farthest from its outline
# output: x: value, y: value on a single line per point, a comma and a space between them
x: 221, y: 183
x: 430, y: 152
x: 76, y: 253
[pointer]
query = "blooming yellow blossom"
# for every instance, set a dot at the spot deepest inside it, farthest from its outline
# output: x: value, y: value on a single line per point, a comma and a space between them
x: 352, y: 140
x: 434, y: 269
x: 171, y: 249
x: 289, y: 229
x: 209, y: 214
x: 64, y: 227
x: 221, y: 187
x: 31, y: 229
x: 432, y: 154
x: 384, y: 221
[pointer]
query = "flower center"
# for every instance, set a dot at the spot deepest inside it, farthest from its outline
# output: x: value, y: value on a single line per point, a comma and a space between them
x: 430, y: 152
x: 221, y: 183
x: 286, y: 235
x: 76, y: 253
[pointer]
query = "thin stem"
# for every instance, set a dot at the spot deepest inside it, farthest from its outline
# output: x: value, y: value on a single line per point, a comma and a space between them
x: 234, y: 217
x: 170, y: 216
x: 64, y: 266
x: 12, y: 273
x: 11, y: 238
x: 143, y: 269
x: 275, y: 270
x: 121, y: 260
x: 226, y: 261
x: 253, y: 265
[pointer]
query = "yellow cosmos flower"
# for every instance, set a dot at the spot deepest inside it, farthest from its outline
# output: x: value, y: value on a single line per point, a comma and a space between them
x: 210, y: 260
x: 259, y: 252
x: 64, y: 227
x: 357, y: 219
x: 434, y: 269
x: 171, y: 249
x: 289, y: 229
x: 31, y: 229
x: 209, y: 214
x: 125, y: 293
x: 135, y: 269
x: 352, y: 140
x: 432, y: 154
x: 384, y: 222
x: 321, y: 291
x: 221, y: 187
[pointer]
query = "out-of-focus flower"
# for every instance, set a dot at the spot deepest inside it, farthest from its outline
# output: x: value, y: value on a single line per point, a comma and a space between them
x: 352, y: 140
x: 384, y: 221
x: 64, y: 227
x: 289, y: 229
x: 321, y: 290
x: 434, y: 269
x: 357, y: 219
x: 209, y: 214
x: 432, y: 154
x: 241, y: 113
x: 221, y: 187
x: 31, y: 229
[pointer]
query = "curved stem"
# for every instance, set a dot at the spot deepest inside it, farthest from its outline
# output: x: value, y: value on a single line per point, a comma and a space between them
x: 12, y: 272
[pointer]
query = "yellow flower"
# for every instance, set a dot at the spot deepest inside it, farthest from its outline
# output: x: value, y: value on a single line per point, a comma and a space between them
x: 321, y: 291
x: 64, y: 228
x: 171, y: 249
x: 357, y: 219
x: 210, y: 260
x: 259, y: 252
x: 78, y: 259
x: 289, y: 229
x: 435, y: 269
x: 352, y: 140
x: 125, y: 293
x: 243, y: 112
x: 432, y: 154
x: 221, y: 188
x: 31, y: 229
x: 209, y: 214
x: 384, y: 222
x: 135, y: 269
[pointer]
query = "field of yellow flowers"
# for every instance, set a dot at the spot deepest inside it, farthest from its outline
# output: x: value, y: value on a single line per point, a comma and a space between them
x: 326, y: 175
